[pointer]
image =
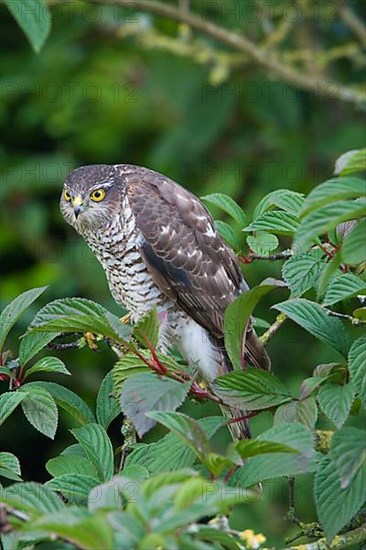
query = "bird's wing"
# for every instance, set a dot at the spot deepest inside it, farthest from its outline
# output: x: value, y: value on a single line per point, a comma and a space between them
x: 185, y: 254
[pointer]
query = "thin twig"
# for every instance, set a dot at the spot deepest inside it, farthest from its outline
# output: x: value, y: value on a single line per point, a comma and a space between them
x: 352, y: 538
x: 353, y: 22
x: 284, y: 255
x: 266, y: 336
x: 62, y: 347
x: 353, y: 320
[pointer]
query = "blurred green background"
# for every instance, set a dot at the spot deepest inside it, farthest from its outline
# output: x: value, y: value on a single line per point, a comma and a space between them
x: 92, y: 96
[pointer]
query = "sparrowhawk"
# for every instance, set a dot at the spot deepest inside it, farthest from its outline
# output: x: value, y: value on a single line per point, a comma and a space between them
x: 159, y: 249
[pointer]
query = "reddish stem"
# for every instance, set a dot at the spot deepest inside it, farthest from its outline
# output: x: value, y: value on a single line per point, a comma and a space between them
x: 201, y: 393
x: 230, y: 473
x: 245, y: 259
x: 241, y: 418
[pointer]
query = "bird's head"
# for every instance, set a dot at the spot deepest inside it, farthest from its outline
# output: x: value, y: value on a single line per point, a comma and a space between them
x: 91, y: 196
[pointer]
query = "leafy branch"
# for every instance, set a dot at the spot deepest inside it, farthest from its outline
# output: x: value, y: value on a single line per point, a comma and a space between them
x: 270, y: 60
x: 345, y: 540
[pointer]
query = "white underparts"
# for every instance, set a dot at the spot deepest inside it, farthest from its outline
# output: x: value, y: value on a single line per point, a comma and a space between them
x: 197, y: 348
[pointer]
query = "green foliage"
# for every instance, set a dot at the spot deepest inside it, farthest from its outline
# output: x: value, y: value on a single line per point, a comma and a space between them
x: 336, y: 505
x: 158, y: 93
x: 228, y: 205
x: 156, y: 492
x: 145, y: 392
x: 261, y: 468
x: 34, y: 18
x: 313, y: 318
x: 251, y: 389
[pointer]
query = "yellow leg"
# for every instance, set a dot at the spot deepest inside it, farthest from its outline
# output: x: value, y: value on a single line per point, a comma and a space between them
x: 126, y: 319
x: 90, y: 340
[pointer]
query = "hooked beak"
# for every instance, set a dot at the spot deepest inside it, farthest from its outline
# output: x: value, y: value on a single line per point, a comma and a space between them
x: 77, y: 205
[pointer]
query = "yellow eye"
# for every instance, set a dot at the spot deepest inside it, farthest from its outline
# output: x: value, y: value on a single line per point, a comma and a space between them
x: 98, y: 195
x: 67, y: 196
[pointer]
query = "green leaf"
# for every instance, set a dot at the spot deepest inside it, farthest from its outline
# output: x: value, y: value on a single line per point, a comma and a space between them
x: 263, y: 467
x: 76, y: 408
x: 228, y: 205
x: 301, y: 272
x: 262, y: 243
x: 260, y: 323
x: 336, y: 401
x: 128, y: 365
x: 98, y: 448
x: 6, y: 371
x: 32, y: 498
x: 342, y: 287
x: 211, y: 499
x: 171, y: 452
x: 228, y: 234
x: 247, y: 448
x: 9, y: 474
x: 80, y: 315
x: 147, y: 327
x: 351, y: 162
x: 34, y: 18
x: 10, y: 466
x: 48, y: 364
x: 217, y: 463
x: 329, y: 272
x: 212, y: 534
x: 359, y: 313
x: 186, y: 428
x: 236, y: 319
x: 77, y: 525
x: 251, y: 390
x: 110, y: 495
x: 159, y: 481
x: 10, y: 461
x: 188, y: 492
x: 353, y: 249
x: 327, y: 369
x: 313, y: 318
x: 71, y: 464
x: 305, y: 412
x: 320, y: 375
x: 32, y: 343
x: 74, y: 487
x: 290, y: 201
x: 348, y: 452
x: 326, y: 218
x: 14, y: 310
x: 40, y: 410
x: 146, y: 392
x: 107, y: 405
x: 357, y: 367
x: 275, y: 221
x: 193, y: 494
x: 336, y: 506
x: 8, y: 402
x: 331, y: 191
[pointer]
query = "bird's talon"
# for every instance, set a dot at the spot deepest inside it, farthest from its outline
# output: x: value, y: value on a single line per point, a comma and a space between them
x: 90, y: 339
x: 126, y: 319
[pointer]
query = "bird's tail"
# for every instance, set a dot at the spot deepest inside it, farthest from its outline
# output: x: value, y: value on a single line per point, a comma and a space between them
x: 239, y: 429
x: 255, y: 352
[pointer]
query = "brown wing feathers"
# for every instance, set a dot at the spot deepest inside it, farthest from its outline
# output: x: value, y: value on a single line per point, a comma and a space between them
x: 185, y: 254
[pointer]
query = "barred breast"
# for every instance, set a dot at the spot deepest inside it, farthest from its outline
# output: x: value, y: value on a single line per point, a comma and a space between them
x: 130, y: 282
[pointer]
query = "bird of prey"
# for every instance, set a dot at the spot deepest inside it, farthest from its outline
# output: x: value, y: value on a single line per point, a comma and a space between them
x: 159, y: 249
